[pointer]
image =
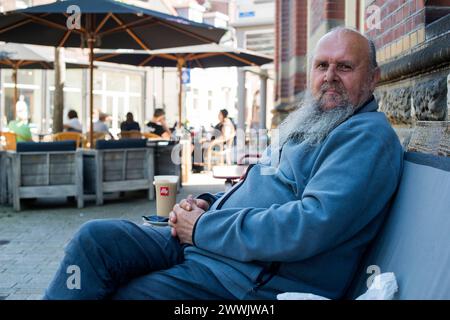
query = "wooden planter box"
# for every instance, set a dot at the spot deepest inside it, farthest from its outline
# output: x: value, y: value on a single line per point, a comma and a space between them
x: 45, y: 174
x: 112, y: 170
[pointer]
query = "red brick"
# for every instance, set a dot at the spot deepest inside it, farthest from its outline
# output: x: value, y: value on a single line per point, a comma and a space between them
x: 419, y: 18
x: 406, y: 11
x: 420, y: 4
x: 398, y: 16
x: 387, y: 38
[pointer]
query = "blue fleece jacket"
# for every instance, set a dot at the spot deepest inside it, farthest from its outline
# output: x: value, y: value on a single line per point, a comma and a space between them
x: 304, y: 227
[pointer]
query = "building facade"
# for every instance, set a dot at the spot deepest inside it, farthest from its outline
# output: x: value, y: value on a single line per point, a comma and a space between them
x: 411, y: 38
x: 253, y: 24
x: 119, y: 89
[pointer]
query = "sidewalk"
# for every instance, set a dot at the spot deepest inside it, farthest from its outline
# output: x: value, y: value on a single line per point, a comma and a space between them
x: 32, y: 241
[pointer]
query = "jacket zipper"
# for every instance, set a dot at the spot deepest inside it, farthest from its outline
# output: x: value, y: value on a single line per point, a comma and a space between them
x: 273, y: 268
x: 233, y: 190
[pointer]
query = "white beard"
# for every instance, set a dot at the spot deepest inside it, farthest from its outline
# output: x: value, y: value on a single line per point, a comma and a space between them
x: 311, y: 124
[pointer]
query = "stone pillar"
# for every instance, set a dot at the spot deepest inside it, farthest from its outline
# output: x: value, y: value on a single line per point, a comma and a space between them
x: 263, y: 102
x: 241, y: 99
x: 448, y: 97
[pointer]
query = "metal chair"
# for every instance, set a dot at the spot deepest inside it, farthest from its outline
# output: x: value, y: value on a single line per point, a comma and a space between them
x: 222, y: 154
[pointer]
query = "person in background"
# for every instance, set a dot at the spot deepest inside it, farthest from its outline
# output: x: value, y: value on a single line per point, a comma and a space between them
x: 129, y: 124
x: 101, y: 126
x: 158, y: 124
x: 73, y: 125
x: 20, y: 126
x: 225, y: 126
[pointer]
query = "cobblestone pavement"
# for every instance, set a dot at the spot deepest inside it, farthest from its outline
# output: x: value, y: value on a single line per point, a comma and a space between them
x: 32, y: 241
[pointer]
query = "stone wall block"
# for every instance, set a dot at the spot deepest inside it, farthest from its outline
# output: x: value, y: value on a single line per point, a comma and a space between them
x: 430, y: 100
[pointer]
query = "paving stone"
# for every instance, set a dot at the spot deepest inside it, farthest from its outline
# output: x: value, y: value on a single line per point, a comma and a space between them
x: 39, y: 233
x: 7, y: 284
x: 31, y: 291
x: 18, y: 297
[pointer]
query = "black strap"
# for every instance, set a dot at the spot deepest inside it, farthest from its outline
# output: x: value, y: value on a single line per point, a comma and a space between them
x: 268, y: 272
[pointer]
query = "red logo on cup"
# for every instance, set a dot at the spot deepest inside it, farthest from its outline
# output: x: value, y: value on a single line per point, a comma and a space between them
x: 164, y: 191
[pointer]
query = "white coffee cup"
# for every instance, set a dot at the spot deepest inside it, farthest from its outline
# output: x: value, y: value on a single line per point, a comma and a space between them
x: 166, y: 194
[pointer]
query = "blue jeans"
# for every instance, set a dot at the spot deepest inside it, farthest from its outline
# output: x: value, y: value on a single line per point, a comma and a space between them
x: 117, y: 259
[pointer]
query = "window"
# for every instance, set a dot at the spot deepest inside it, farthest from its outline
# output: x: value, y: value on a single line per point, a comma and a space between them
x: 262, y: 41
x: 195, y: 99
x: 210, y: 93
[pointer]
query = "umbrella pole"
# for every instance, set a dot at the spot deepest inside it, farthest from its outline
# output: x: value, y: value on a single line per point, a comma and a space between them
x: 14, y: 76
x: 180, y: 91
x: 1, y: 99
x: 91, y: 91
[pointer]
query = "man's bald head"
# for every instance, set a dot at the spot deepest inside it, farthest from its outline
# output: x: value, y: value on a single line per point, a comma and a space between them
x: 372, y: 52
x: 344, y: 68
x: 343, y: 76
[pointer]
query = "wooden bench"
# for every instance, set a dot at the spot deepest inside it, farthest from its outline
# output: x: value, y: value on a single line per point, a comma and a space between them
x: 47, y: 169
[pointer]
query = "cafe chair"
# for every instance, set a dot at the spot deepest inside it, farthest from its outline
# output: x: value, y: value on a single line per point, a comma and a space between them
x: 66, y: 136
x: 8, y: 141
x: 152, y: 136
x: 219, y: 151
x: 97, y: 136
x: 132, y: 134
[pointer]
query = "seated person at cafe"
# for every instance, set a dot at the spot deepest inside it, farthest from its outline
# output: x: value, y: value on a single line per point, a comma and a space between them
x: 20, y: 126
x: 158, y: 124
x: 101, y: 126
x: 129, y: 124
x: 225, y: 127
x: 73, y: 124
x: 299, y: 221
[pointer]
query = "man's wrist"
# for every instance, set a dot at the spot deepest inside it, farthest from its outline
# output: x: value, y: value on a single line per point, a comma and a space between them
x: 208, y: 197
x: 194, y: 229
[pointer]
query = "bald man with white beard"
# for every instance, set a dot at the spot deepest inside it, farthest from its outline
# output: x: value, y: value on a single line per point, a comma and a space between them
x: 298, y: 222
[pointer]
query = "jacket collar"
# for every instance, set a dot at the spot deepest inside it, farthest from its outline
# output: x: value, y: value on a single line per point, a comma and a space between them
x: 370, y: 105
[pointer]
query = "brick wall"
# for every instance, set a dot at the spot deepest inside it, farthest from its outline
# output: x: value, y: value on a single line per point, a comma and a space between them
x: 411, y: 49
x: 293, y: 33
x: 301, y: 41
x: 403, y: 30
x: 284, y: 33
x: 402, y: 24
x: 324, y: 10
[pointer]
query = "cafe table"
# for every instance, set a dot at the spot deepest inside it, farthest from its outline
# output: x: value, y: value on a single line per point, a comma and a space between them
x: 229, y: 173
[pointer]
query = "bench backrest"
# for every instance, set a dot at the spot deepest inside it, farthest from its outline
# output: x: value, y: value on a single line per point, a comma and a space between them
x: 66, y: 145
x: 414, y: 242
x: 122, y: 160
x: 121, y: 144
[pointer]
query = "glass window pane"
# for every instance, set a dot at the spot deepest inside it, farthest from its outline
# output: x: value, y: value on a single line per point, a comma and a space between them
x: 135, y: 83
